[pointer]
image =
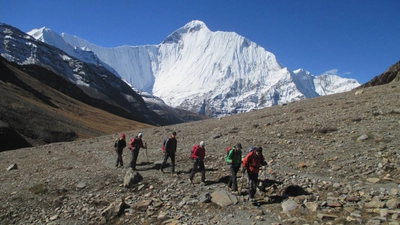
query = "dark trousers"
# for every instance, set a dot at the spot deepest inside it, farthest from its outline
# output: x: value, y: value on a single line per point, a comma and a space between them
x: 166, y: 156
x: 253, y: 180
x: 233, y: 180
x: 200, y: 164
x: 119, y: 157
x: 135, y: 154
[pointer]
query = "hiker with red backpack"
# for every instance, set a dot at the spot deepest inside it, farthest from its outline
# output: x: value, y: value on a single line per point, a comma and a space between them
x: 198, y: 154
x: 169, y: 152
x: 234, y: 159
x: 251, y: 163
x: 119, y: 146
x: 135, y: 145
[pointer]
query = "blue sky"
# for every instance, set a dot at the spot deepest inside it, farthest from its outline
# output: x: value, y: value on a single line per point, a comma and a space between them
x: 357, y: 39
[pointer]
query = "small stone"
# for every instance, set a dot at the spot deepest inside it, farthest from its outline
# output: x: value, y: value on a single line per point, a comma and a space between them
x: 81, y: 185
x: 362, y: 137
x: 52, y: 218
x: 373, y: 180
x: 374, y: 204
x: 392, y: 204
x: 12, y: 167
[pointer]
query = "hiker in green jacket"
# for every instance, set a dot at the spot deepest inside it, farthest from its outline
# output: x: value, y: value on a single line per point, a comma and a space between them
x: 234, y: 159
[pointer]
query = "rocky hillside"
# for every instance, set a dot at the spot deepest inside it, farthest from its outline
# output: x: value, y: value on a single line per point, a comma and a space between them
x: 45, y: 108
x: 390, y: 75
x: 332, y: 160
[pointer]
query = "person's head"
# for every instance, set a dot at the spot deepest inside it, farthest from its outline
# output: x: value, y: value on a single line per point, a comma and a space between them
x: 259, y: 150
x: 202, y: 144
x: 140, y: 135
x: 174, y: 134
x: 238, y: 146
x: 123, y: 136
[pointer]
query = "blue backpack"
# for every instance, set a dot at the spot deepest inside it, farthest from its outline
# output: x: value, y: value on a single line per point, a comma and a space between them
x: 251, y: 149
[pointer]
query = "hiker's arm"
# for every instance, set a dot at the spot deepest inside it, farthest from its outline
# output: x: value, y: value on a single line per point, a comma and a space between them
x: 244, y: 164
x: 229, y: 158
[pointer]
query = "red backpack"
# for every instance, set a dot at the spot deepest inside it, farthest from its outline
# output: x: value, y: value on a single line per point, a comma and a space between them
x: 194, y: 149
x: 132, y: 143
x: 228, y: 149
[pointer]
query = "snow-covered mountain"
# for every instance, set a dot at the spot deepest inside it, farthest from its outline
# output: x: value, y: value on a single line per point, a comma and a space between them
x: 211, y: 73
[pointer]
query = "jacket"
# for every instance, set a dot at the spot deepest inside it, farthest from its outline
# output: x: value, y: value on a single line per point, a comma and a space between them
x: 253, y: 162
x: 198, y: 152
x: 137, y: 144
x: 234, y: 157
x: 120, y: 144
x: 170, y: 146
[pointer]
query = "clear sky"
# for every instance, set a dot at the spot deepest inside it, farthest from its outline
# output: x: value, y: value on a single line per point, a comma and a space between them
x: 357, y: 39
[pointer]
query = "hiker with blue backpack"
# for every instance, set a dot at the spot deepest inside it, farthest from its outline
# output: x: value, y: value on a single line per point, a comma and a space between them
x: 234, y: 159
x: 251, y: 163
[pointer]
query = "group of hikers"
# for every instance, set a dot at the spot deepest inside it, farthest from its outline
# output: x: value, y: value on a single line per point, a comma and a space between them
x: 251, y: 162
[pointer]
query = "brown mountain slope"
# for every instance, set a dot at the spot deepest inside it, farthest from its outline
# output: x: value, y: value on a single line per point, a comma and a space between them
x: 390, y: 75
x: 40, y: 114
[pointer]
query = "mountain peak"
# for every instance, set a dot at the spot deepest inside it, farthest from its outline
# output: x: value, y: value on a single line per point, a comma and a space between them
x: 192, y: 26
x: 195, y: 24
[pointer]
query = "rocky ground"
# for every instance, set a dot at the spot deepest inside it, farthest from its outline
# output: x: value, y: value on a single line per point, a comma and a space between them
x: 332, y: 160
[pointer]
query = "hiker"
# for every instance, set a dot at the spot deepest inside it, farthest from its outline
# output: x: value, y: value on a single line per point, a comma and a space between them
x: 234, y: 159
x: 251, y: 163
x: 119, y: 146
x: 198, y: 154
x: 135, y: 145
x: 170, y: 150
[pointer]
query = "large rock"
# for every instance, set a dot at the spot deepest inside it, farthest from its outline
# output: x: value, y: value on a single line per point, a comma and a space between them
x: 131, y: 178
x: 114, y: 210
x: 223, y: 198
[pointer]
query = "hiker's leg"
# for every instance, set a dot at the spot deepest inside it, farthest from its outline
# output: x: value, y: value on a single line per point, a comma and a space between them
x: 195, y: 164
x: 173, y: 162
x: 234, y: 171
x: 166, y: 156
x: 121, y: 163
x: 116, y: 151
x: 252, y: 184
x: 203, y: 171
x: 231, y: 177
x: 133, y: 161
x: 135, y: 156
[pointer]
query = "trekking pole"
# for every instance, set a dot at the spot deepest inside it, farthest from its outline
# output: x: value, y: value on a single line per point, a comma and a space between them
x: 147, y: 154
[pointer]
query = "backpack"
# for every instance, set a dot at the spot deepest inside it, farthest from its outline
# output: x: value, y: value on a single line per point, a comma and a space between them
x: 116, y: 142
x: 163, y: 144
x: 228, y: 149
x: 132, y: 143
x: 251, y: 149
x: 194, y: 149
